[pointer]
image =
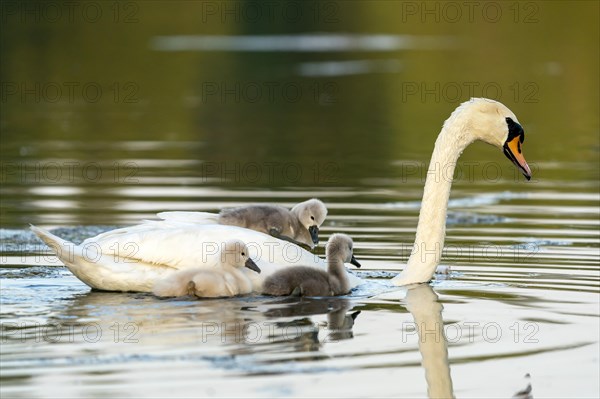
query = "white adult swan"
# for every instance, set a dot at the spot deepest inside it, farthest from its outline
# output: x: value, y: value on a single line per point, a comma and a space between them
x: 477, y: 119
x: 135, y: 258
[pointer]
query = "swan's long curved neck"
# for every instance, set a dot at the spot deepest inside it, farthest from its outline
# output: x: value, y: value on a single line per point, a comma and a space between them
x: 431, y: 229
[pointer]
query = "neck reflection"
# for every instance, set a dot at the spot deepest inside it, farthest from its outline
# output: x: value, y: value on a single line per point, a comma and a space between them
x: 422, y: 303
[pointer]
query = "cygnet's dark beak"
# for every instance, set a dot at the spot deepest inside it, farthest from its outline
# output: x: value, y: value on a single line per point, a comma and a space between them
x: 354, y: 261
x: 314, y: 233
x: 251, y: 265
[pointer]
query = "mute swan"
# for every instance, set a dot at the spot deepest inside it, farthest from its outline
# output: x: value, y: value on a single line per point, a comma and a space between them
x: 227, y: 279
x: 477, y: 119
x: 308, y: 281
x: 300, y: 225
x: 135, y: 258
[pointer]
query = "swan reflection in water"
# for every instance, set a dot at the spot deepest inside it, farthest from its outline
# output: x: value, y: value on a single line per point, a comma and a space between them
x: 221, y: 328
x: 422, y: 303
x: 426, y: 310
x: 253, y: 326
x: 243, y: 324
x: 337, y: 327
x: 114, y: 327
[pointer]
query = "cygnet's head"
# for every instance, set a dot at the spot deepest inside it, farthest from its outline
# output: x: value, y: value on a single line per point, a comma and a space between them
x: 311, y: 214
x: 340, y: 247
x: 492, y: 122
x: 235, y: 253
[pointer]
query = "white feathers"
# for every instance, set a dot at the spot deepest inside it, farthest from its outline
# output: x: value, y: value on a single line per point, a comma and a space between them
x: 135, y: 258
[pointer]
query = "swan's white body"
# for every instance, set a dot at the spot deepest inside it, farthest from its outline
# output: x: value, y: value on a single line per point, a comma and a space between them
x: 135, y: 258
x: 190, y: 217
x: 477, y: 119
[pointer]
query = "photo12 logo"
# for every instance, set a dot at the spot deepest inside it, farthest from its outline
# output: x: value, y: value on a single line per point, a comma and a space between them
x: 449, y: 12
x: 457, y: 92
x: 290, y: 12
x: 270, y: 172
x: 127, y: 333
x: 269, y: 92
x: 255, y: 332
x: 471, y: 331
x: 71, y: 12
x: 68, y: 172
x: 69, y: 92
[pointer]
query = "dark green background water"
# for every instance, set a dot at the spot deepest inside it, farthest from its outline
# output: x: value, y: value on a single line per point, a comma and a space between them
x: 80, y: 80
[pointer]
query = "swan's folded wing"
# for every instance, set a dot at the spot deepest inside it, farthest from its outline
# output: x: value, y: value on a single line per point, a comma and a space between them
x: 164, y: 244
x: 190, y: 217
x: 113, y: 234
x: 181, y: 245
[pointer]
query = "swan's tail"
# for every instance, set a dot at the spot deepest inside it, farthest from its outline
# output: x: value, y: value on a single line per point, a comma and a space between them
x: 190, y: 217
x: 69, y: 253
x: 57, y: 244
x: 103, y: 271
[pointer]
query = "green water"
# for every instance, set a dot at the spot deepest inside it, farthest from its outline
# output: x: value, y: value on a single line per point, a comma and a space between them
x: 111, y: 112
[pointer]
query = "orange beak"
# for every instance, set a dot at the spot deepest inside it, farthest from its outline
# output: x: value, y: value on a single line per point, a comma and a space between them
x: 512, y: 150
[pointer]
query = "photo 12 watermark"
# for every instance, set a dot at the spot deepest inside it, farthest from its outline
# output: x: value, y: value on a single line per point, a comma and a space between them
x: 69, y: 12
x: 434, y: 253
x: 62, y: 172
x: 270, y: 172
x: 260, y: 12
x: 262, y: 332
x: 470, y: 331
x: 71, y: 92
x: 451, y: 12
x: 526, y: 92
x: 467, y: 171
x: 269, y: 92
x: 126, y: 333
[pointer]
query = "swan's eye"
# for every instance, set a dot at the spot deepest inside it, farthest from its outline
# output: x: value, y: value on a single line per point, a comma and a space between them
x: 243, y: 254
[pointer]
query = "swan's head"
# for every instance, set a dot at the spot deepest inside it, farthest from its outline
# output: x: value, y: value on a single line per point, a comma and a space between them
x: 492, y: 122
x: 340, y: 246
x: 311, y: 214
x: 235, y: 253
